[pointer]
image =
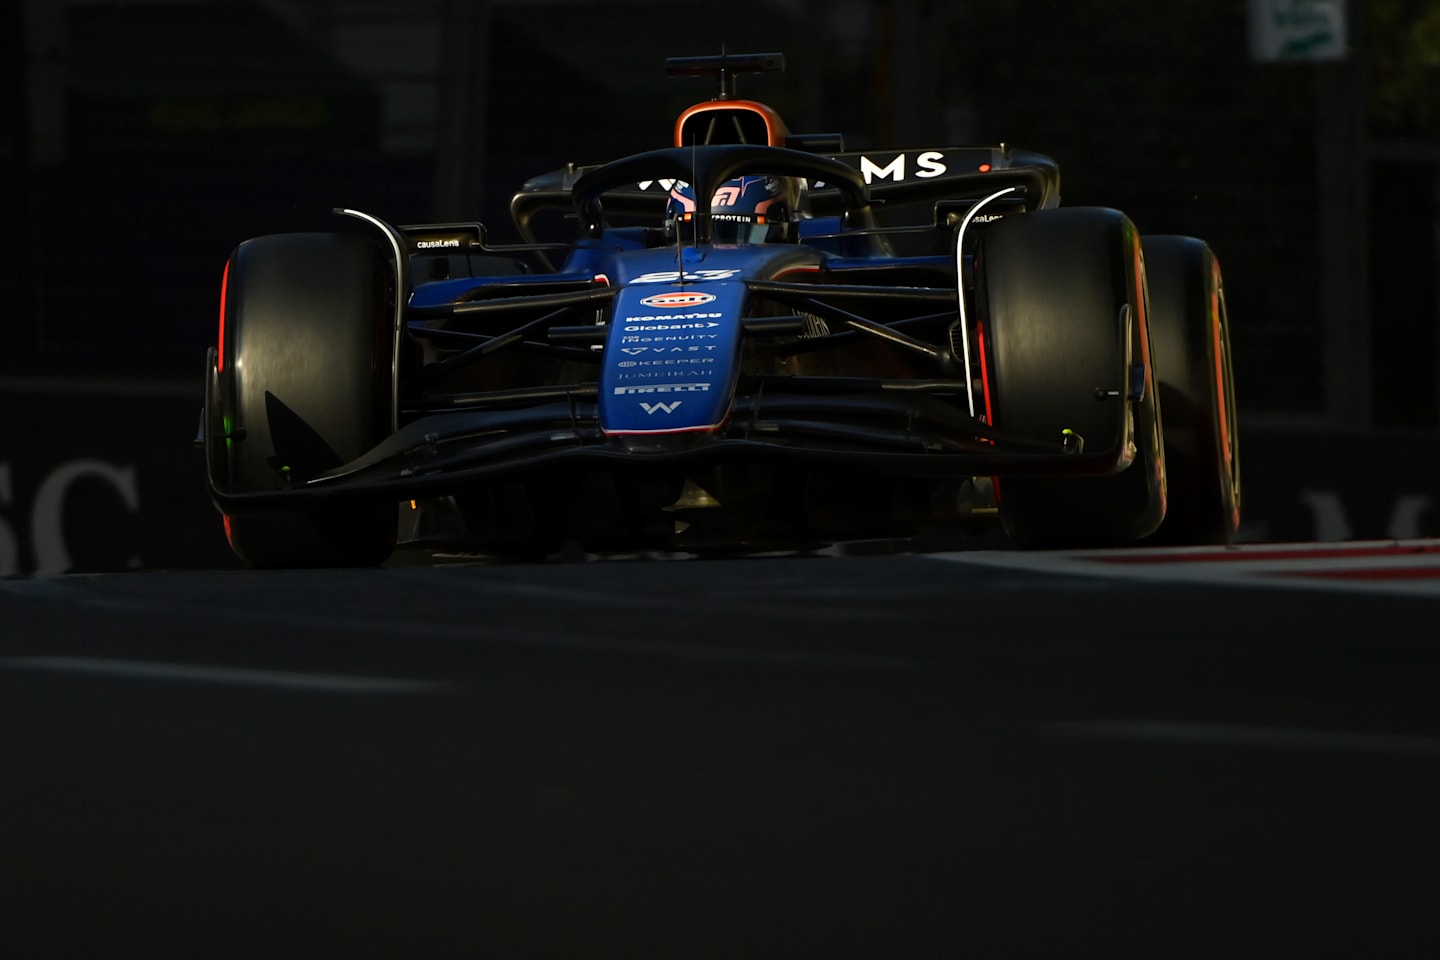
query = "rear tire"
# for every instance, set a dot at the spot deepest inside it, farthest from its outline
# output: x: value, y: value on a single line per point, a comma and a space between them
x: 1191, y: 332
x: 1063, y: 312
x: 303, y: 387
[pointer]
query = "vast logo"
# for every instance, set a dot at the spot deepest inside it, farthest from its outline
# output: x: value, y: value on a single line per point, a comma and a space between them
x: 688, y: 298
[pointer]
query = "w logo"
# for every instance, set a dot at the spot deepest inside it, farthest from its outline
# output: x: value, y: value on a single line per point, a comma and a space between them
x: 662, y: 407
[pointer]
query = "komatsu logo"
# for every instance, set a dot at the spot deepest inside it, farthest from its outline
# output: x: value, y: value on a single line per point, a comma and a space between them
x: 689, y: 298
x: 664, y: 318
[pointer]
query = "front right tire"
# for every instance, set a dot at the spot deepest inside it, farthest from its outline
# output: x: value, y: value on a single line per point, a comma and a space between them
x: 1191, y: 331
x: 1064, y: 316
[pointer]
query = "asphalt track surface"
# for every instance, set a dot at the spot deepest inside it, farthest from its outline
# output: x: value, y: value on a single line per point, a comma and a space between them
x: 973, y: 755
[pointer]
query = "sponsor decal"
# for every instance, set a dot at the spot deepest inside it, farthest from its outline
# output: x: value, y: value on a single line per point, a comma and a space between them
x: 647, y: 374
x: 660, y: 406
x: 1333, y: 521
x: 681, y: 298
x: 929, y: 164
x: 438, y: 244
x: 693, y: 348
x: 670, y: 362
x: 672, y: 276
x: 664, y: 388
x: 47, y: 528
x: 670, y: 318
x: 666, y: 327
x: 670, y: 340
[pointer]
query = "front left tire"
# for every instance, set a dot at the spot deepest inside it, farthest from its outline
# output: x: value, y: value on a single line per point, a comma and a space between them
x: 301, y: 384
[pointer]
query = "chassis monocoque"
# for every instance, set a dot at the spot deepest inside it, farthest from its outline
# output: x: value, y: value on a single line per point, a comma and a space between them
x: 943, y: 344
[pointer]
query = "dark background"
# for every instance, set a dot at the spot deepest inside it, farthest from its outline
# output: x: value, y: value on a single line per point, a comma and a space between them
x: 142, y: 140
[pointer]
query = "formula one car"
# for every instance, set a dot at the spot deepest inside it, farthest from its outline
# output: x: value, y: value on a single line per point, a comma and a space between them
x: 748, y: 340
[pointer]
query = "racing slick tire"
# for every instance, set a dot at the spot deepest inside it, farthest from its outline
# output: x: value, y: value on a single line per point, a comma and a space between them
x: 1063, y: 313
x: 1191, y: 334
x: 303, y: 385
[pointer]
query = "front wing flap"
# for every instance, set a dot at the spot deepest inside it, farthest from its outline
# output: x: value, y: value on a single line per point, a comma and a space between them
x: 899, y: 431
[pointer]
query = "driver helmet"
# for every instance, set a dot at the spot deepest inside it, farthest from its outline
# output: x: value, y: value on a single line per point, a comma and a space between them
x: 749, y: 209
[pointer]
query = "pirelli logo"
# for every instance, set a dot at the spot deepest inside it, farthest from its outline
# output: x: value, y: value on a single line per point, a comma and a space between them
x: 663, y: 388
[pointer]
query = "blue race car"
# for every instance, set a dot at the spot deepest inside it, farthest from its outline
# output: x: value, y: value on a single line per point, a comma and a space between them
x: 748, y: 340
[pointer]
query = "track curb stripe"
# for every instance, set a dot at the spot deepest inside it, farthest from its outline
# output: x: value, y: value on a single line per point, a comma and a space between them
x: 1395, y: 567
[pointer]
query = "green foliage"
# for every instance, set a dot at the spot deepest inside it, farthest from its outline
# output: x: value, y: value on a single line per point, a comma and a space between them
x: 1403, y: 54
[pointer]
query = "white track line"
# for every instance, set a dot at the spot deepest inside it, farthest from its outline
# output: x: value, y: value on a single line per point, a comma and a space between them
x: 1219, y: 734
x: 77, y: 591
x: 225, y: 676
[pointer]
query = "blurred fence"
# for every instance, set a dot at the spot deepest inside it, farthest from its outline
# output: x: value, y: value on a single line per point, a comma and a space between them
x: 188, y: 127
